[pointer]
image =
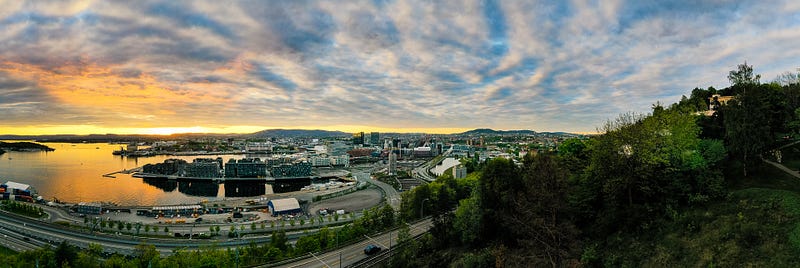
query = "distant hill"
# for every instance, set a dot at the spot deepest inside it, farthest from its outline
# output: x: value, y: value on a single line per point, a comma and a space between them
x: 489, y: 132
x: 298, y: 133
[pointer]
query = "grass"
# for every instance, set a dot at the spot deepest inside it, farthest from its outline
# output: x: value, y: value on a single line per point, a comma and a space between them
x: 790, y: 157
x: 756, y: 225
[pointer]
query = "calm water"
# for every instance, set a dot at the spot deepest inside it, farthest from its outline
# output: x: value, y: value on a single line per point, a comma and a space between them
x: 74, y: 173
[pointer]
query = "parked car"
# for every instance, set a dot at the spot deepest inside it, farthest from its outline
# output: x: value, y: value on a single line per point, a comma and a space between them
x: 371, y: 249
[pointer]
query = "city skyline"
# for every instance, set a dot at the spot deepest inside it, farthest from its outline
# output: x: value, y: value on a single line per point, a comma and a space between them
x: 96, y: 67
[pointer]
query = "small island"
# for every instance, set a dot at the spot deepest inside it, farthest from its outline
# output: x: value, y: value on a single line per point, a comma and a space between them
x: 24, y: 147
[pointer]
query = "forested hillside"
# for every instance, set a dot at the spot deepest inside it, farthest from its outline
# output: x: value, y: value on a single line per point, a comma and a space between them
x: 680, y: 186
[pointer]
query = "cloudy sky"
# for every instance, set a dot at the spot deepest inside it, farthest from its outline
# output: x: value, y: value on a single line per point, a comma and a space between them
x: 436, y: 66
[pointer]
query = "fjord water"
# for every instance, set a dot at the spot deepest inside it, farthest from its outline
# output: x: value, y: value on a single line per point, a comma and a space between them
x: 74, y: 173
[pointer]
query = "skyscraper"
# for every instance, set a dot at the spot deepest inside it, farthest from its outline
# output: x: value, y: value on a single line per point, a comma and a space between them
x: 358, y: 138
x: 374, y: 138
x: 392, y: 164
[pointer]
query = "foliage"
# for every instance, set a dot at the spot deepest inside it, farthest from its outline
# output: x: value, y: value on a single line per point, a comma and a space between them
x: 23, y: 209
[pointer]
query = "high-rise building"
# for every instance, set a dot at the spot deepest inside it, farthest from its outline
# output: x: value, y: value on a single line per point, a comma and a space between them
x: 374, y: 138
x: 392, y: 164
x: 358, y: 138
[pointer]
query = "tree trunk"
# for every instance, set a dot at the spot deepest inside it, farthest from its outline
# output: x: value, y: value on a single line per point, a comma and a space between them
x: 744, y: 165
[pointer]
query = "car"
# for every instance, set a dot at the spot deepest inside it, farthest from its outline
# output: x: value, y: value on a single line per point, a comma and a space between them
x: 198, y: 220
x: 371, y: 249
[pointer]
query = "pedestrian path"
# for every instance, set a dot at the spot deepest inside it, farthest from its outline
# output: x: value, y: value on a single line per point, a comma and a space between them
x: 780, y: 166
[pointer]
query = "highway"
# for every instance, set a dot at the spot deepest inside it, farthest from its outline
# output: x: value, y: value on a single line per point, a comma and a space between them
x: 40, y: 233
x: 422, y: 171
x: 355, y: 252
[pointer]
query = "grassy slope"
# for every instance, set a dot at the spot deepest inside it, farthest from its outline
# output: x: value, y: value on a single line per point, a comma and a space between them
x: 758, y: 224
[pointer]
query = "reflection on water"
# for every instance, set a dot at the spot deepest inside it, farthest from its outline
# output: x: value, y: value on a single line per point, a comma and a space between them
x: 163, y: 184
x: 285, y: 186
x: 244, y: 189
x: 195, y: 188
x: 73, y: 173
x: 231, y: 188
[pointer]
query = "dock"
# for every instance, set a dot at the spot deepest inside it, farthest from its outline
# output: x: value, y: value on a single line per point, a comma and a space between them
x: 124, y: 171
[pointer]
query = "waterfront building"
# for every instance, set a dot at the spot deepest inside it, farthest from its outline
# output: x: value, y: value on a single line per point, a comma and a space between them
x: 245, y: 168
x: 300, y: 169
x: 203, y: 168
x: 169, y: 167
x: 92, y: 208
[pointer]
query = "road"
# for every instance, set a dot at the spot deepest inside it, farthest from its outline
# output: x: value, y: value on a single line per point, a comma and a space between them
x: 355, y: 252
x: 422, y: 172
x: 392, y: 196
x: 40, y: 233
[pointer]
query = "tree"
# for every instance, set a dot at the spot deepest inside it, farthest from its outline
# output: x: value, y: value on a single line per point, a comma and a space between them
x: 747, y: 121
x: 743, y: 76
x: 65, y: 254
x: 499, y: 180
x: 145, y: 255
x: 166, y: 230
x: 146, y: 228
x: 128, y: 226
x: 541, y: 220
x: 279, y: 240
x: 468, y: 219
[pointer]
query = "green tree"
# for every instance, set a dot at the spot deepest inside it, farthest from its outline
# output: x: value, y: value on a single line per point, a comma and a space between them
x: 468, y: 219
x: 499, y: 180
x: 541, y: 220
x: 166, y: 230
x: 65, y: 254
x: 146, y: 255
x: 279, y: 240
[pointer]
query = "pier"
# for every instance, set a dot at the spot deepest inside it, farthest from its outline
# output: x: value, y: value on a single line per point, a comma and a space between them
x: 124, y: 171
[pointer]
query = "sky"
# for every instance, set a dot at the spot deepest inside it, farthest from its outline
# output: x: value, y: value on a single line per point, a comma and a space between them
x: 159, y: 67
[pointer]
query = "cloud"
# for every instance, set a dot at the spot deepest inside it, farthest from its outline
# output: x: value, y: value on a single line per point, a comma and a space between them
x: 543, y: 65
